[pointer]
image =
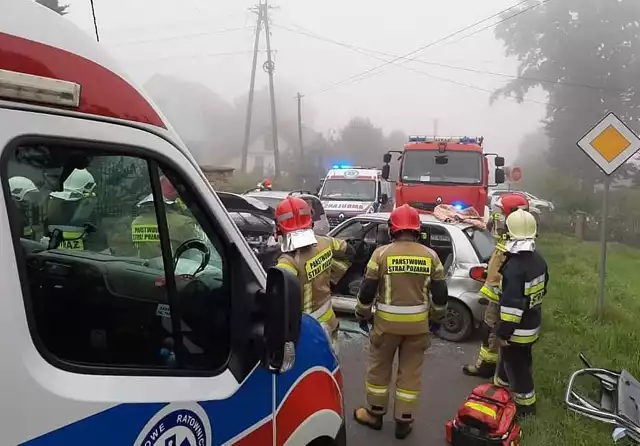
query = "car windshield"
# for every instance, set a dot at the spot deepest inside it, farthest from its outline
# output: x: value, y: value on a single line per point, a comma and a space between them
x: 430, y: 166
x: 349, y: 190
x: 483, y: 242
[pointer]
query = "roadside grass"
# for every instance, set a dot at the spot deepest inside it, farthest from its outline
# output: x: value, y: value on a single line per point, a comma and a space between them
x: 570, y: 327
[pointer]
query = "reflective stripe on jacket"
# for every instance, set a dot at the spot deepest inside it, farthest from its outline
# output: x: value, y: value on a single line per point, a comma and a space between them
x: 524, y: 284
x: 491, y: 287
x: 403, y: 271
x: 313, y: 265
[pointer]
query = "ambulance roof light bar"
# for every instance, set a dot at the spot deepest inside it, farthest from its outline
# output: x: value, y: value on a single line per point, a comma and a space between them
x: 452, y: 139
x: 345, y: 166
x: 42, y: 90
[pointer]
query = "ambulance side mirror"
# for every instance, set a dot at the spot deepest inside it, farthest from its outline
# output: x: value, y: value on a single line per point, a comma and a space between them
x: 282, y: 309
x: 386, y: 158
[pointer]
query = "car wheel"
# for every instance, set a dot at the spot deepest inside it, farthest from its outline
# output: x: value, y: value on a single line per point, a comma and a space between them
x: 458, y: 325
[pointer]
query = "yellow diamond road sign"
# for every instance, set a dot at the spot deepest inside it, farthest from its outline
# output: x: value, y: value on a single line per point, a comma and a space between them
x: 610, y: 143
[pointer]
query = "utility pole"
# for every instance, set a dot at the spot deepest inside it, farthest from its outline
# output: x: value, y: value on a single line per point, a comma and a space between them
x: 269, y: 67
x: 299, y: 98
x: 247, y: 126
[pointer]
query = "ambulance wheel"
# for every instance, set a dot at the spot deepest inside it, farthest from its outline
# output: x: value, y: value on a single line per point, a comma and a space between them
x: 458, y: 325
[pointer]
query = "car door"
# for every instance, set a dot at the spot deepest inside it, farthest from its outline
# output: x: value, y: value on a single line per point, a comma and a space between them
x: 109, y: 346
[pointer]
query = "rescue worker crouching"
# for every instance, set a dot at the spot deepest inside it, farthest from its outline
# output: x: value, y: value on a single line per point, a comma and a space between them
x: 485, y: 365
x: 144, y: 228
x: 22, y: 189
x: 401, y: 275
x: 525, y: 277
x: 310, y: 258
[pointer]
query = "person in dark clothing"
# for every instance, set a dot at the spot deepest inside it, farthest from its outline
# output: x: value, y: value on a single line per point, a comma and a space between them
x: 525, y: 277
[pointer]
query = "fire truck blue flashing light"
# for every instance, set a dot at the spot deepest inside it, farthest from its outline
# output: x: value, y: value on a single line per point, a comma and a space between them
x: 459, y: 205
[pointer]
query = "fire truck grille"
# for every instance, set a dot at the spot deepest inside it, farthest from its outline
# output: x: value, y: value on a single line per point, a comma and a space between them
x: 422, y: 206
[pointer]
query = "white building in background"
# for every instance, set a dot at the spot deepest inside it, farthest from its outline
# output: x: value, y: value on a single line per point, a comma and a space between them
x: 260, y: 160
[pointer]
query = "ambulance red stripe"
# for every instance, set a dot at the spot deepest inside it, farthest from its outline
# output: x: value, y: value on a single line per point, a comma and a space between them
x: 102, y: 93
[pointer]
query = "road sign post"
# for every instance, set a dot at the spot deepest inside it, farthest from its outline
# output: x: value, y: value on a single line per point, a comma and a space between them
x: 609, y: 144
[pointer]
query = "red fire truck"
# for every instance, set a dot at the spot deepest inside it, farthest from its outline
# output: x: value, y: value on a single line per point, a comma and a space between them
x: 444, y: 170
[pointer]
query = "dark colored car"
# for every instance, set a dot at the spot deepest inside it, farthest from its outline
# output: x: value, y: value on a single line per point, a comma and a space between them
x: 256, y: 221
x: 272, y: 198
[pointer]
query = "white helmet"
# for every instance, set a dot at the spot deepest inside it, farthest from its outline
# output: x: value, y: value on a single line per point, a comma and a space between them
x: 21, y: 186
x: 521, y: 225
x: 79, y: 185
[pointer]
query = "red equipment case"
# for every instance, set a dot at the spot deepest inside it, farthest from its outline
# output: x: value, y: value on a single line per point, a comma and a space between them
x: 487, y: 418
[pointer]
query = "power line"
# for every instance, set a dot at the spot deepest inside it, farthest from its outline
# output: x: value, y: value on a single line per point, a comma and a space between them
x: 193, y: 56
x: 424, y: 73
x: 184, y: 36
x: 370, y: 72
x: 311, y: 34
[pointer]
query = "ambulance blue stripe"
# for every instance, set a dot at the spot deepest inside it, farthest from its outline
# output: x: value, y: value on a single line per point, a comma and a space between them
x: 251, y: 403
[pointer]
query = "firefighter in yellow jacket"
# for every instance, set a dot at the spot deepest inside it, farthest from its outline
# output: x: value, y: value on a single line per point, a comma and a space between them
x: 144, y: 228
x: 310, y: 258
x: 487, y: 359
x: 401, y: 275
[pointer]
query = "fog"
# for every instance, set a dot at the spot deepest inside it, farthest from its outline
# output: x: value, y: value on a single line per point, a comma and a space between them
x: 210, y: 43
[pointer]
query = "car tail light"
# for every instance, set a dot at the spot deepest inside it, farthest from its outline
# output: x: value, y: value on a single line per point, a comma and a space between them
x: 478, y: 273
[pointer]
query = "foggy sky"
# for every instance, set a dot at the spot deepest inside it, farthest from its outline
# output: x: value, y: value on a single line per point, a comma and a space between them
x: 162, y: 37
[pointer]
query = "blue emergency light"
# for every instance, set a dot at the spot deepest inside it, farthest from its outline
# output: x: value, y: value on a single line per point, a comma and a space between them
x: 342, y: 166
x: 459, y: 205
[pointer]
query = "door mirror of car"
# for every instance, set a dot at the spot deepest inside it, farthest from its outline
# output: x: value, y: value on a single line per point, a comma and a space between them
x: 281, y: 309
x: 386, y: 158
x: 499, y: 161
x: 499, y: 176
x: 386, y: 170
x: 384, y: 199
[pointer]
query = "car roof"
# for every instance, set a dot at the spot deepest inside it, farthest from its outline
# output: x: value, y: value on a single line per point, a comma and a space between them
x: 424, y: 218
x: 280, y: 194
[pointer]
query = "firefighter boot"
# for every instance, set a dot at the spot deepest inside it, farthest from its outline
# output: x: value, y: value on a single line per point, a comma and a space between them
x: 481, y: 370
x: 367, y: 418
x: 523, y: 411
x: 404, y: 427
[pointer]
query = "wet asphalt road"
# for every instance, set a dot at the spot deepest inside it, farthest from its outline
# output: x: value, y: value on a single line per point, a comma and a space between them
x: 444, y: 388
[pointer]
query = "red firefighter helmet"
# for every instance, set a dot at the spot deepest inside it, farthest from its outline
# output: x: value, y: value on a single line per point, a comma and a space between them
x: 509, y: 203
x: 267, y: 183
x: 168, y: 191
x: 293, y: 214
x: 404, y: 218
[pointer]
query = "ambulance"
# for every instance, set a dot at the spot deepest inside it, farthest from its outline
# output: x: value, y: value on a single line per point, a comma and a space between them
x: 348, y: 191
x: 197, y: 346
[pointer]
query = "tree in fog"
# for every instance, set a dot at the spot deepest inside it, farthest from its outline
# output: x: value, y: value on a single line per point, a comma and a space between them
x: 360, y: 143
x: 583, y: 53
x: 54, y: 5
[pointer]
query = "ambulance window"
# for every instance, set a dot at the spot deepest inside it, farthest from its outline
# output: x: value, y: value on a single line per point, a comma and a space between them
x: 89, y: 224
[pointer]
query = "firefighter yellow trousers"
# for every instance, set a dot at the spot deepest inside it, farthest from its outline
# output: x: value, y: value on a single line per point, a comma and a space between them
x: 488, y: 356
x: 382, y: 351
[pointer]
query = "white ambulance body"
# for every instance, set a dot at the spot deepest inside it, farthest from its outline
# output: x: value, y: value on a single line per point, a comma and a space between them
x: 102, y: 345
x: 348, y: 191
